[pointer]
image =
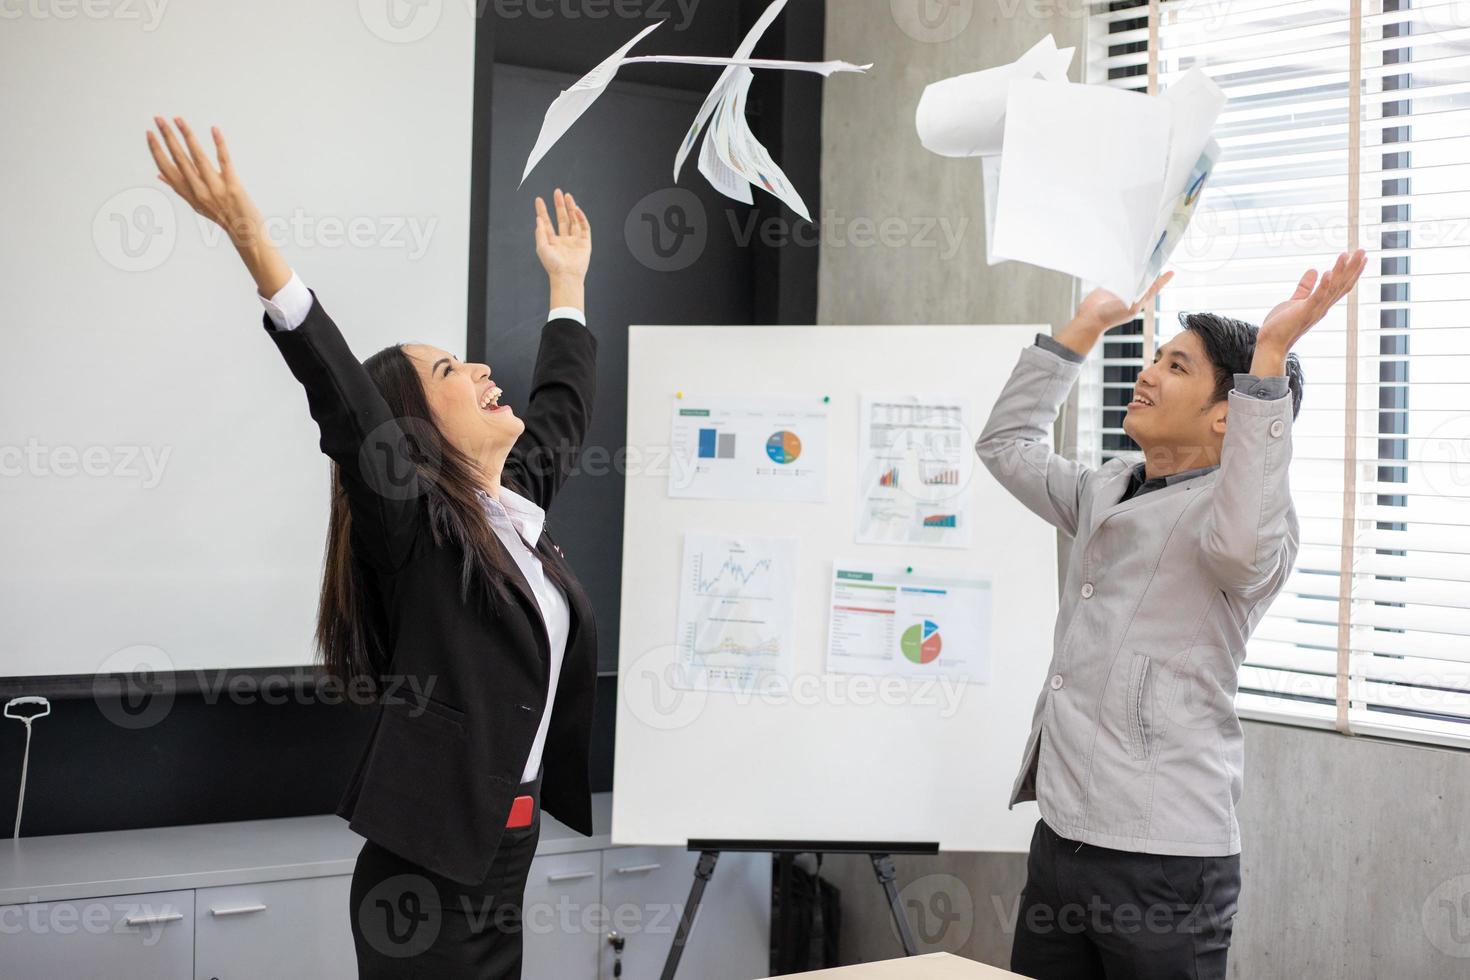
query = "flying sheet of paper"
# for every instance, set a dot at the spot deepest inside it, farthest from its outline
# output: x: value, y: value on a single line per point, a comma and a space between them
x: 740, y: 154
x: 571, y: 103
x: 747, y: 158
x: 722, y: 84
x: 1074, y: 196
x: 964, y: 116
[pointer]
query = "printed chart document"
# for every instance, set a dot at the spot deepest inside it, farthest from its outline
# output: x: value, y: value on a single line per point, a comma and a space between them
x: 915, y: 463
x: 735, y: 623
x: 749, y: 447
x: 918, y: 624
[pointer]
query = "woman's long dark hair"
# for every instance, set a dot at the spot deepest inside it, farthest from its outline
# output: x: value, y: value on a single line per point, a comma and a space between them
x: 350, y: 631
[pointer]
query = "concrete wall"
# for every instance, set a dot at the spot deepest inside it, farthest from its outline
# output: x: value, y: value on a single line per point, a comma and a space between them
x: 1356, y: 852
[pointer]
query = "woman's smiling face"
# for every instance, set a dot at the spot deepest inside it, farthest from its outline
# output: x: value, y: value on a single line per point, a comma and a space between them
x: 466, y: 403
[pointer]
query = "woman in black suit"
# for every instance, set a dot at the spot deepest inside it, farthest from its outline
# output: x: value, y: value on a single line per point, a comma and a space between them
x: 443, y: 595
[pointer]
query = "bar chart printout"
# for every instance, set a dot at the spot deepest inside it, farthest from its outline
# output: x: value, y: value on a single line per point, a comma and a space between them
x: 749, y: 447
x: 915, y: 463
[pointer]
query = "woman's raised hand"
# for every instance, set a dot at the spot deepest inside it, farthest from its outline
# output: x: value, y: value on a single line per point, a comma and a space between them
x: 565, y: 249
x: 218, y: 194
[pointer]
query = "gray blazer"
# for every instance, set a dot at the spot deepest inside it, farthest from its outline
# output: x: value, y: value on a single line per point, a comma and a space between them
x: 1135, y: 743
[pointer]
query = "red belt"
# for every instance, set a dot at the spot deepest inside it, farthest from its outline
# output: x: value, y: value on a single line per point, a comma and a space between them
x: 521, y: 812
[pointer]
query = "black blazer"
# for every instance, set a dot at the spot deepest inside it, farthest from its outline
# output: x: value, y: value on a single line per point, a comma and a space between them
x: 437, y: 778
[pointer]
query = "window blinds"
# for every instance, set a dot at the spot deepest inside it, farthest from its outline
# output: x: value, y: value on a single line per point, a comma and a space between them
x: 1348, y: 123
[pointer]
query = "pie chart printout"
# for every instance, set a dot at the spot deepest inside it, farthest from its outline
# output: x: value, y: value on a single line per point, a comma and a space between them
x: 783, y: 447
x: 920, y: 642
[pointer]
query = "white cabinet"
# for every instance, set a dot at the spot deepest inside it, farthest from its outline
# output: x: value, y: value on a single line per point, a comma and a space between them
x: 269, y: 900
x: 561, y: 917
x: 277, y: 929
x: 126, y: 937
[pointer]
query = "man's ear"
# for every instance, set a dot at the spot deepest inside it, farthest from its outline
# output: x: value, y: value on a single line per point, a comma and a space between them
x: 1218, y: 417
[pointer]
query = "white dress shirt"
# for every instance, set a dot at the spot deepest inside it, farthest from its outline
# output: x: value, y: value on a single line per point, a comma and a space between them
x: 516, y: 521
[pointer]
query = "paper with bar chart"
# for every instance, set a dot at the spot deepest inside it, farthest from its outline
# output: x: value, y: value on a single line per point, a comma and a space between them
x: 915, y: 463
x: 749, y: 447
x: 735, y: 622
x: 920, y: 623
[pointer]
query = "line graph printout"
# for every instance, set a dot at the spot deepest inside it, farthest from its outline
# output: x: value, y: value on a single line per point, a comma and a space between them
x: 915, y: 462
x: 749, y: 447
x: 909, y: 623
x: 735, y: 613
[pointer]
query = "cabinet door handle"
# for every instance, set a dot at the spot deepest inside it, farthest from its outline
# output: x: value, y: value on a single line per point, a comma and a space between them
x: 241, y: 910
x: 153, y: 920
x: 571, y: 876
x: 635, y: 868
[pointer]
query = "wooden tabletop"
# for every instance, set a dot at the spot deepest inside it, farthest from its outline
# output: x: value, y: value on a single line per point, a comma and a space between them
x: 931, y: 966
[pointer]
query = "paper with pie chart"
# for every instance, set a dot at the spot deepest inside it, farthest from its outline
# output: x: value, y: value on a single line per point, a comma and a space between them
x: 735, y: 613
x: 749, y: 447
x: 915, y: 459
x: 916, y: 624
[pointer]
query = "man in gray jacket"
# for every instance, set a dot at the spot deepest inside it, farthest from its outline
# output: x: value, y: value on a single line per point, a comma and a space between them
x: 1135, y: 755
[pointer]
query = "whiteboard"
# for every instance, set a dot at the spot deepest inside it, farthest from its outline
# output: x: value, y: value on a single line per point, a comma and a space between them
x: 829, y: 762
x: 163, y: 500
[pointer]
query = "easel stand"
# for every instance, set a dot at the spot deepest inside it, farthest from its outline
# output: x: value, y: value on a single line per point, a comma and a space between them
x: 785, y: 851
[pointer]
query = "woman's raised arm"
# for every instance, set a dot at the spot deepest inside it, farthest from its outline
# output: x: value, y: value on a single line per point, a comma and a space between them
x: 358, y: 431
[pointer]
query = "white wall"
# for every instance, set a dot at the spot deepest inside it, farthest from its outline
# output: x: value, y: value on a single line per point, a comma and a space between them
x: 161, y: 492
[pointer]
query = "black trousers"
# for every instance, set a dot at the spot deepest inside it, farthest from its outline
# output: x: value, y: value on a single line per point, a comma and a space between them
x: 408, y: 922
x: 1093, y: 912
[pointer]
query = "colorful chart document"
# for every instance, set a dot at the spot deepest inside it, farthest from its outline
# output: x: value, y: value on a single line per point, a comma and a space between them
x: 916, y: 459
x: 755, y: 447
x: 735, y: 622
x: 914, y: 624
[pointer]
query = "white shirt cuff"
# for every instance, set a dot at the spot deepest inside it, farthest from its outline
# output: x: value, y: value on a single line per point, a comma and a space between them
x: 288, y: 307
x: 570, y: 312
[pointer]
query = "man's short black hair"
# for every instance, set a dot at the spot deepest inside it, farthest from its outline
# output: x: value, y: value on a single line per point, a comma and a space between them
x: 1230, y: 345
